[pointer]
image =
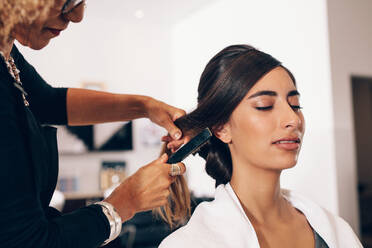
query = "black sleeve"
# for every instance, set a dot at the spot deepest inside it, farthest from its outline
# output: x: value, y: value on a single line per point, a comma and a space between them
x: 47, y: 103
x: 23, y: 223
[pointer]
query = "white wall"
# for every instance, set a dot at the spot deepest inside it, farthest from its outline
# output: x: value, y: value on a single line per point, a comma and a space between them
x: 293, y: 31
x: 130, y: 56
x: 351, y: 54
x: 127, y: 54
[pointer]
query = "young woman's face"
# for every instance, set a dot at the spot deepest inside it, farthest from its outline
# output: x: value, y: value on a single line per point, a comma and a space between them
x: 38, y: 34
x: 267, y: 127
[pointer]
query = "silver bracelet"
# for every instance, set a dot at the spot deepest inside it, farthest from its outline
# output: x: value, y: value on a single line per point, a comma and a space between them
x: 114, y: 219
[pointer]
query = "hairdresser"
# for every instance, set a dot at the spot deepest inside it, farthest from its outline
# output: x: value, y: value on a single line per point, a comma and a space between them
x: 28, y: 148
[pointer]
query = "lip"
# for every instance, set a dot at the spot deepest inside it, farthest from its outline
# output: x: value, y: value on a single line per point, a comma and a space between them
x: 55, y: 31
x: 288, y: 146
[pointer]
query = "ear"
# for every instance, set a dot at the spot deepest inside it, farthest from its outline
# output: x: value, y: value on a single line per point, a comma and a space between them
x: 223, y: 133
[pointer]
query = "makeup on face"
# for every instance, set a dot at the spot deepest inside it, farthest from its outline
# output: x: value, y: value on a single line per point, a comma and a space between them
x: 54, y: 31
x: 264, y: 99
x: 291, y: 143
x: 267, y: 127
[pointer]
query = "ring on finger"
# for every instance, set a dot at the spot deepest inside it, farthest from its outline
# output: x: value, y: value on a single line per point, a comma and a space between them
x: 175, y: 170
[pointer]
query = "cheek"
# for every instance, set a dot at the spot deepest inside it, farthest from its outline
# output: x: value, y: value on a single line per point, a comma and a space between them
x: 303, y: 124
x: 23, y: 36
x: 39, y: 38
x: 251, y: 132
x: 30, y: 35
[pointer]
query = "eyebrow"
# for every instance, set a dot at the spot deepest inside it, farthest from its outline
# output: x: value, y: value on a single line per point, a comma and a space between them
x: 273, y: 93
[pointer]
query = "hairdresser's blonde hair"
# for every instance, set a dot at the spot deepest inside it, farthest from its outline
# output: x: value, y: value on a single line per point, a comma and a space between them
x: 14, y: 12
x: 178, y: 209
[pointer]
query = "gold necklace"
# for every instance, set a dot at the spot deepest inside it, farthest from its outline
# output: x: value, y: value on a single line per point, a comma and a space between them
x: 14, y: 72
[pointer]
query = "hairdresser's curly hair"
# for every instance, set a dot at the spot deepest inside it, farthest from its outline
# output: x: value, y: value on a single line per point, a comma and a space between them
x: 225, y: 81
x: 13, y: 12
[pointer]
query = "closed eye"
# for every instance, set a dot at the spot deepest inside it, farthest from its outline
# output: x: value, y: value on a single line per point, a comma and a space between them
x: 296, y: 107
x: 264, y: 108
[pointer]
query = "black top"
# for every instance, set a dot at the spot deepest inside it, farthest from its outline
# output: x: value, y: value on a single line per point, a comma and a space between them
x: 319, y: 241
x: 29, y: 168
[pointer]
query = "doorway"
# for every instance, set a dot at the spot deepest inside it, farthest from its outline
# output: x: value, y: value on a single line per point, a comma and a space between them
x: 362, y: 106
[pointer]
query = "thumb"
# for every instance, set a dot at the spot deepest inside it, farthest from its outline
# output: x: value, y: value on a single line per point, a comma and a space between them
x: 172, y: 129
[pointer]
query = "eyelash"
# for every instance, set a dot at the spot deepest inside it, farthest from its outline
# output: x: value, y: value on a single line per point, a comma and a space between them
x: 294, y: 107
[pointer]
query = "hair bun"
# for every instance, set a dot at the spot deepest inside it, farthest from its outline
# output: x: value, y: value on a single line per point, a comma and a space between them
x: 218, y: 160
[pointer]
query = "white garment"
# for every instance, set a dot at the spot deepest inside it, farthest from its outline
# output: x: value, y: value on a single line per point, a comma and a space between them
x: 222, y: 223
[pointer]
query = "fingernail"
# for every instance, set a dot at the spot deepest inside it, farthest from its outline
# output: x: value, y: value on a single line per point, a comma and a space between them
x: 177, y: 135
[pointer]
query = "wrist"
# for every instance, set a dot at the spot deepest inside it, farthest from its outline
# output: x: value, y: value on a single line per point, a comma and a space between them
x: 124, y: 207
x: 114, y: 220
x: 146, y: 103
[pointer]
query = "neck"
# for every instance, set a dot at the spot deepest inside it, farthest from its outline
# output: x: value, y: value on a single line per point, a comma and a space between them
x: 7, y: 48
x: 258, y: 190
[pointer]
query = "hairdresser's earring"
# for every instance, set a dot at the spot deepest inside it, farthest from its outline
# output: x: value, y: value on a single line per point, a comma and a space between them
x: 226, y: 140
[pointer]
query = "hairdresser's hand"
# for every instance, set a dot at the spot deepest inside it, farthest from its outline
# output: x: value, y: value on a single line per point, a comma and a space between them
x: 148, y: 188
x: 173, y: 144
x: 164, y: 115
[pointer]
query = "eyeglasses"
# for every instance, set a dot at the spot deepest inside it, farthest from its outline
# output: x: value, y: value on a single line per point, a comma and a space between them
x: 70, y: 5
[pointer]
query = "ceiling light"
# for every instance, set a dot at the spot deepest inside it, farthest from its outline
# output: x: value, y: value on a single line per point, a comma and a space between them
x: 139, y: 14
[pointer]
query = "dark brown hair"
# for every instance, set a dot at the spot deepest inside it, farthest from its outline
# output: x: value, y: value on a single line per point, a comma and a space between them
x: 225, y: 81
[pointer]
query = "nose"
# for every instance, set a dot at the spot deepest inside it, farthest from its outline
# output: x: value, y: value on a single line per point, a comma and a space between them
x: 76, y: 14
x: 291, y: 118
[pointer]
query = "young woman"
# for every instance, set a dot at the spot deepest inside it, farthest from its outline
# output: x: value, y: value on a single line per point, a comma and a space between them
x: 28, y: 148
x: 251, y: 104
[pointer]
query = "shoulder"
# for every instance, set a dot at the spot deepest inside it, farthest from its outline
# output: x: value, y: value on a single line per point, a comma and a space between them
x: 27, y: 71
x: 331, y: 227
x: 5, y: 78
x: 17, y: 56
x: 7, y: 92
x: 311, y: 209
x: 342, y: 230
x: 191, y: 234
x: 219, y: 223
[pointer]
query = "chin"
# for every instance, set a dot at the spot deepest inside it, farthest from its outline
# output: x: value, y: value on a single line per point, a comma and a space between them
x: 284, y: 163
x: 289, y: 164
x: 38, y: 45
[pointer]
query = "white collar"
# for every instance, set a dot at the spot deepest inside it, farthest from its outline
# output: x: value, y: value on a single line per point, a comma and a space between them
x: 322, y: 221
x: 223, y: 223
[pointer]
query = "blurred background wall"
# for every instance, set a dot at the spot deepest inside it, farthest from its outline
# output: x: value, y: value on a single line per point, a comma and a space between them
x: 351, y: 55
x: 159, y: 48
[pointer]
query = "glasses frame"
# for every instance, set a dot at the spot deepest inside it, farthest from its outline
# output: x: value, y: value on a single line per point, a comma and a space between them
x: 69, y: 5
